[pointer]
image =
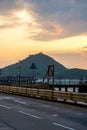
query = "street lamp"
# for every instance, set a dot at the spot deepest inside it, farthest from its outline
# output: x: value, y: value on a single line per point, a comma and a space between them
x: 19, y: 72
x: 33, y: 67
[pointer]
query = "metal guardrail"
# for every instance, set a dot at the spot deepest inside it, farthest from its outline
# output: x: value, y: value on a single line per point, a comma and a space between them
x: 45, y: 94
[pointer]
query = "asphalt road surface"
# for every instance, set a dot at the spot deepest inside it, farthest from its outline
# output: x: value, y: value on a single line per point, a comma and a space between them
x: 24, y: 113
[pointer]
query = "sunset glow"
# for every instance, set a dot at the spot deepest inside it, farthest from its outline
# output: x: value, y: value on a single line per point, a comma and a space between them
x: 29, y: 27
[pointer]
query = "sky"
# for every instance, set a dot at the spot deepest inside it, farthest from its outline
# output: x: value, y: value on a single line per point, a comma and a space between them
x: 57, y: 28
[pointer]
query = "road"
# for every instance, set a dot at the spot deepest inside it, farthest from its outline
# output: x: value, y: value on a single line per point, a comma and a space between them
x: 24, y: 113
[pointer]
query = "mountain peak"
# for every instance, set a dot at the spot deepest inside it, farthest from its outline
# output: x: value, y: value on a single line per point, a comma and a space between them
x: 40, y: 54
x: 41, y: 62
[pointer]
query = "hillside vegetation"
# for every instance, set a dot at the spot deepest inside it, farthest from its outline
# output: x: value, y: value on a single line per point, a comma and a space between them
x: 41, y: 61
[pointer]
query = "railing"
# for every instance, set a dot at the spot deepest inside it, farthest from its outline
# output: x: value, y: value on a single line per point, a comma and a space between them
x: 67, y: 85
x: 45, y: 94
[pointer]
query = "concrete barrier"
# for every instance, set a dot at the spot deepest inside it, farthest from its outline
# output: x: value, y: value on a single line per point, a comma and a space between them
x: 46, y: 94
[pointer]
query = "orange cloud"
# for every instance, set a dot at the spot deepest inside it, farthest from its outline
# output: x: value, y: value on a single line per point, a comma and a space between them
x: 49, y: 31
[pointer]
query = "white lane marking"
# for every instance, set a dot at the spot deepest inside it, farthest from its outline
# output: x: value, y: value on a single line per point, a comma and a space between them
x: 5, y: 106
x: 21, y: 102
x: 55, y: 115
x: 30, y: 115
x: 63, y: 126
x: 6, y: 98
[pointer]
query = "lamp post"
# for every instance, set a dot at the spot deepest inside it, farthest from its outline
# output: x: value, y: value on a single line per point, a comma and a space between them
x: 19, y: 73
x: 33, y: 67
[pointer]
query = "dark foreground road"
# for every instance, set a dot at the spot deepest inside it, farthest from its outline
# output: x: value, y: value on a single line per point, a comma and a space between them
x: 23, y: 113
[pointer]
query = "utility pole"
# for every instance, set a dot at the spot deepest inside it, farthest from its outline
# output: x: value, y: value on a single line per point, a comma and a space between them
x: 19, y: 73
x: 33, y: 67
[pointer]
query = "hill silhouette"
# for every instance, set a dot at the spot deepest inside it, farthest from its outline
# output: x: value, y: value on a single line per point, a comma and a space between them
x: 41, y: 62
